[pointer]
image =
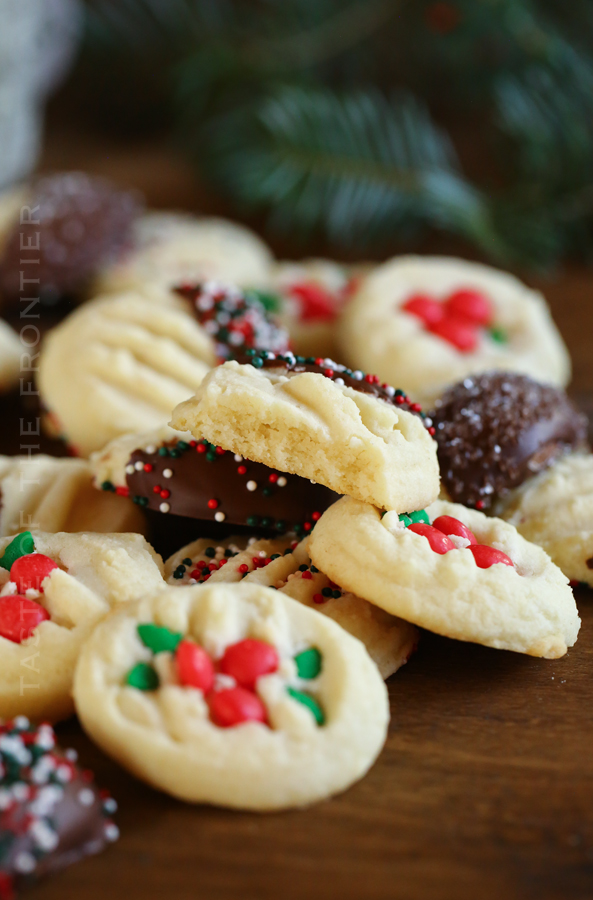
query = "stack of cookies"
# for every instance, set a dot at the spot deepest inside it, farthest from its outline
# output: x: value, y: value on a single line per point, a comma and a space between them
x: 312, y: 516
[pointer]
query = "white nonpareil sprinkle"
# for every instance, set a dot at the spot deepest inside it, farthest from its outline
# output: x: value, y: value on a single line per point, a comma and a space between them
x: 150, y: 449
x: 44, y: 836
x: 164, y: 507
x: 281, y: 481
x: 110, y: 805
x: 111, y: 832
x: 251, y: 485
x: 86, y: 797
x: 138, y: 466
x: 219, y: 517
x: 24, y: 863
x: 167, y: 473
x: 339, y: 381
x: 390, y: 391
x: 130, y: 470
x: 21, y: 722
x: 238, y: 457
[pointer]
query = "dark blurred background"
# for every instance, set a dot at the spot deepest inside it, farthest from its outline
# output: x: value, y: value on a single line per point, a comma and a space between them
x: 360, y: 127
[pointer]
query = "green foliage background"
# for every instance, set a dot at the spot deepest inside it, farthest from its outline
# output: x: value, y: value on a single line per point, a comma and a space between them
x: 337, y: 116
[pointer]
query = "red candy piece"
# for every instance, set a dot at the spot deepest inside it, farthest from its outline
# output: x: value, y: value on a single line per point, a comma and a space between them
x: 316, y: 301
x: 451, y: 525
x: 438, y: 541
x: 194, y: 666
x: 487, y: 556
x: 19, y: 617
x: 235, y: 706
x: 29, y: 571
x: 457, y: 331
x: 472, y: 305
x: 425, y: 308
x: 248, y: 660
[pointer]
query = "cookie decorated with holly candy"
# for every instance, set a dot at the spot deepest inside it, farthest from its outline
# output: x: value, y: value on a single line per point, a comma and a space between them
x: 11, y: 350
x: 319, y: 420
x: 54, y: 588
x: 451, y: 570
x: 171, y: 472
x: 45, y: 493
x: 120, y: 364
x: 167, y: 249
x: 428, y: 322
x: 497, y: 430
x: 555, y: 510
x: 52, y: 814
x: 309, y: 297
x: 232, y: 694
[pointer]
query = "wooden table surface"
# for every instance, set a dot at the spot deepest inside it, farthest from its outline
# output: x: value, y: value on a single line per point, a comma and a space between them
x: 485, y: 786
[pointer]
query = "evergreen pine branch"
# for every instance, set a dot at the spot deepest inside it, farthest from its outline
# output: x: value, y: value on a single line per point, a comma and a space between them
x: 356, y: 166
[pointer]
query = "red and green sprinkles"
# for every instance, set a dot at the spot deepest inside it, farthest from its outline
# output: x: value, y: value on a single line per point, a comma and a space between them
x: 229, y: 683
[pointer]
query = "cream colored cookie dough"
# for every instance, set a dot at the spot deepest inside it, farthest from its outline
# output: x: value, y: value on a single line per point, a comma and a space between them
x: 95, y: 573
x: 307, y: 424
x: 44, y: 493
x: 555, y: 510
x: 377, y: 335
x: 170, y: 248
x: 109, y: 464
x: 313, y: 330
x: 528, y: 608
x: 284, y: 564
x: 120, y: 364
x: 166, y: 735
x: 11, y: 350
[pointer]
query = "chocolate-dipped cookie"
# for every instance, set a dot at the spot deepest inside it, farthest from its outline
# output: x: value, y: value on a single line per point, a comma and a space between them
x: 70, y: 224
x: 172, y: 473
x: 497, y: 429
x: 51, y: 812
x: 236, y: 320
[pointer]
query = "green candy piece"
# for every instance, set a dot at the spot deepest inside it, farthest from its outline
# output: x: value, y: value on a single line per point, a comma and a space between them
x: 404, y: 517
x: 419, y: 516
x: 308, y: 701
x: 499, y: 335
x: 159, y: 639
x: 308, y: 663
x: 270, y: 302
x: 143, y: 677
x: 21, y: 545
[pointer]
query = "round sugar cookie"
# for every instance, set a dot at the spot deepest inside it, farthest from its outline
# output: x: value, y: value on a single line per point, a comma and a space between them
x: 296, y: 712
x: 285, y: 565
x: 555, y: 510
x: 120, y: 364
x: 427, y: 322
x: 169, y: 248
x: 316, y: 419
x: 310, y: 297
x: 11, y: 351
x: 44, y: 493
x: 170, y: 472
x: 522, y: 604
x: 54, y: 588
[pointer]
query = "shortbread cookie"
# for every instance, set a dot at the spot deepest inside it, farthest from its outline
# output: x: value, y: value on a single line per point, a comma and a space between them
x: 285, y: 565
x: 475, y: 579
x: 70, y: 224
x: 498, y: 429
x: 310, y: 297
x: 44, y: 493
x: 555, y: 510
x: 53, y: 814
x: 170, y: 472
x: 120, y: 364
x: 170, y: 248
x: 54, y: 590
x: 427, y: 322
x: 11, y: 350
x: 294, y: 711
x: 321, y: 421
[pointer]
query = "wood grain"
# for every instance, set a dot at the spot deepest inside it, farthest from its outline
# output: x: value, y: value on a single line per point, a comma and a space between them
x: 485, y: 786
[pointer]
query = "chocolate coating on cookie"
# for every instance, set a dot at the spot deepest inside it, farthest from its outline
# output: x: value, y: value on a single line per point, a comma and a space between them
x: 51, y: 813
x: 342, y: 375
x: 201, y: 481
x: 496, y: 429
x: 236, y: 320
x: 72, y: 223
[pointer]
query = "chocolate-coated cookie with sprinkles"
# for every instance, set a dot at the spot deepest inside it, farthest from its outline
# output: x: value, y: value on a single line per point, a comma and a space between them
x: 172, y: 473
x: 51, y: 812
x: 320, y: 420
